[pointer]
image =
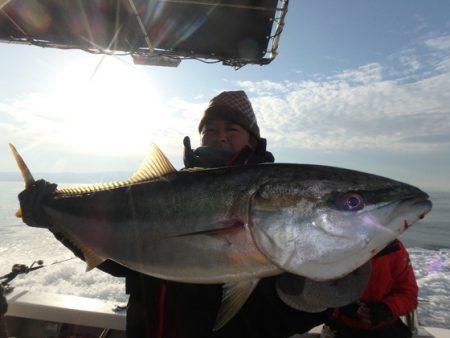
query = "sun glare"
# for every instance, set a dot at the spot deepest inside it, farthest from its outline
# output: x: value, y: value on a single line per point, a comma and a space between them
x: 106, y: 107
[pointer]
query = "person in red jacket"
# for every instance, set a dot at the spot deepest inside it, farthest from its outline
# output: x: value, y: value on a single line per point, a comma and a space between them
x: 390, y: 293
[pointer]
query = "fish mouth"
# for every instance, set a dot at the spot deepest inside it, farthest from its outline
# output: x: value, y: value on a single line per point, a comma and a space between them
x: 404, y: 215
x: 411, y: 210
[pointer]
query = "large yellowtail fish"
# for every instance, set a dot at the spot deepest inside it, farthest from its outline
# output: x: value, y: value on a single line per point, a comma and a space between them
x: 233, y: 225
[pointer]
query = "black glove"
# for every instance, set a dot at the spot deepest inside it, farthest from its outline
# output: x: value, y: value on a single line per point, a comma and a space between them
x: 31, y: 200
x: 379, y: 312
x: 350, y: 310
x: 189, y: 158
x: 32, y: 213
x: 205, y: 157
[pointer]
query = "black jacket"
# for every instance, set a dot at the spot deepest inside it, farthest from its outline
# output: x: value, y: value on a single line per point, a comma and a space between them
x: 163, y: 309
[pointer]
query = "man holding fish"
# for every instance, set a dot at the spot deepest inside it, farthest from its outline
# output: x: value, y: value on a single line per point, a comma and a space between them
x: 236, y: 226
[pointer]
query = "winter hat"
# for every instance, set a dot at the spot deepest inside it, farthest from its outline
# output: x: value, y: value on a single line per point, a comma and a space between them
x: 232, y: 106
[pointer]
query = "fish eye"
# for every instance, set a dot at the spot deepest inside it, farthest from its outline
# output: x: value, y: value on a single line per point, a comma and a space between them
x: 350, y: 201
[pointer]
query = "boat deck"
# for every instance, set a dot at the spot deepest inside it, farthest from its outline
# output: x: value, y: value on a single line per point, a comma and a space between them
x: 55, y: 315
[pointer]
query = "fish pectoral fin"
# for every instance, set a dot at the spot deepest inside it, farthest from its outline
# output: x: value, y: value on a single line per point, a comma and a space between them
x: 233, y: 297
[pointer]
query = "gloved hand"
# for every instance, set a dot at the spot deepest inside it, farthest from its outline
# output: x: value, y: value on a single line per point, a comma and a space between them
x: 350, y: 310
x: 313, y: 296
x: 189, y: 157
x: 205, y: 157
x: 31, y: 203
x: 374, y: 313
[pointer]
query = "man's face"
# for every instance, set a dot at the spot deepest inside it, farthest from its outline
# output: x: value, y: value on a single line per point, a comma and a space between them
x: 225, y: 135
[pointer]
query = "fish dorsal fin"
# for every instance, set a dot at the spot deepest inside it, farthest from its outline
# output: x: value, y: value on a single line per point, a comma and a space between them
x: 234, y: 296
x: 155, y: 165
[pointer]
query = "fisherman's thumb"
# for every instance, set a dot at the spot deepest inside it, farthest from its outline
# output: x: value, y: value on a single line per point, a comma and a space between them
x: 188, y: 154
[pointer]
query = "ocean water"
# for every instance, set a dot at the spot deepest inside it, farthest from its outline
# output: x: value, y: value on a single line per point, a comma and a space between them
x: 428, y: 243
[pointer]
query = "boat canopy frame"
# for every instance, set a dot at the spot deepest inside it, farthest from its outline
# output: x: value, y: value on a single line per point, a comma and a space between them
x: 159, y: 32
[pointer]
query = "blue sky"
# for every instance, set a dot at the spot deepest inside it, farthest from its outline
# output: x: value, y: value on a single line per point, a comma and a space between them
x: 357, y: 84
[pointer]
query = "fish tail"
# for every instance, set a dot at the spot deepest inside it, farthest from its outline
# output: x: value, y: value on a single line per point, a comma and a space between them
x: 26, y: 174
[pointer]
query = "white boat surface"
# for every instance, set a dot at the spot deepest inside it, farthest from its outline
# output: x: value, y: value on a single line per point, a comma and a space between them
x: 47, y: 315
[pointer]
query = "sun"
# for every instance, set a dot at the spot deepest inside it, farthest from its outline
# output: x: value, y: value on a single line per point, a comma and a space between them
x: 105, y: 106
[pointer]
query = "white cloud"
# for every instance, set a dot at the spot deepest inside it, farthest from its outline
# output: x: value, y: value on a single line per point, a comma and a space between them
x: 421, y: 24
x: 441, y: 43
x: 356, y: 109
x: 116, y: 113
x: 265, y: 87
x: 110, y: 131
x: 410, y: 60
x: 369, y: 107
x: 366, y: 74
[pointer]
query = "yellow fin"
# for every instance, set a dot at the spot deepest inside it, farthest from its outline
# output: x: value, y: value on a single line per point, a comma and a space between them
x: 233, y: 297
x: 155, y: 165
x: 26, y: 174
x: 19, y: 213
x: 92, y: 259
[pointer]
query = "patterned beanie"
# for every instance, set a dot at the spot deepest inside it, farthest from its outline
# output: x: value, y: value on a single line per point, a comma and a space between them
x: 233, y: 106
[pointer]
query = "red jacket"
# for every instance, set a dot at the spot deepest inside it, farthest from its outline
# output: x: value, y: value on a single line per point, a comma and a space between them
x: 392, y: 281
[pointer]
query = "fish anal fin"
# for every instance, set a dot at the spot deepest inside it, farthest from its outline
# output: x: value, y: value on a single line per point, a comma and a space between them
x: 92, y: 261
x: 91, y: 258
x: 233, y: 297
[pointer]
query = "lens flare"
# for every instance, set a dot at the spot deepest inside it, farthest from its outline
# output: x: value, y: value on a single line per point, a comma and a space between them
x: 34, y: 15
